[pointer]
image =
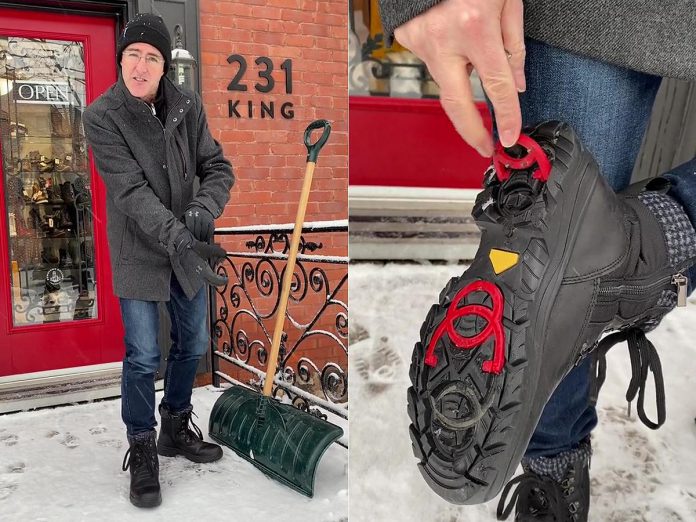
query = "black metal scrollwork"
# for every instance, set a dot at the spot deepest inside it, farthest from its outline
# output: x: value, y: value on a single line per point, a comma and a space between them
x: 251, y: 298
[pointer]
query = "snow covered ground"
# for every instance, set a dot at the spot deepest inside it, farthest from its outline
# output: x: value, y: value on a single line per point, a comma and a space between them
x: 64, y: 464
x: 638, y: 475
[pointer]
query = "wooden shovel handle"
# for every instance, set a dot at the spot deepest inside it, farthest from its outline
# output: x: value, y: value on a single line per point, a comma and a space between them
x: 292, y: 257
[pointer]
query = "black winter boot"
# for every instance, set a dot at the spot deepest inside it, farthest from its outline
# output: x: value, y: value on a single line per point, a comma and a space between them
x: 551, y: 489
x: 177, y: 438
x: 656, y: 286
x: 142, y: 460
x: 562, y: 260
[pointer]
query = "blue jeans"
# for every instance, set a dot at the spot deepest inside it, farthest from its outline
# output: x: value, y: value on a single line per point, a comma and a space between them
x: 190, y: 342
x: 608, y: 107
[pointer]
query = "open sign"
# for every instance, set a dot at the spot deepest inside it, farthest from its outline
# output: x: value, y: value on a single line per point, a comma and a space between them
x: 42, y: 92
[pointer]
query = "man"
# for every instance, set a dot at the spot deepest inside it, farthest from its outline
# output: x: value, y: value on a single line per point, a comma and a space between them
x: 150, y: 140
x: 596, y: 65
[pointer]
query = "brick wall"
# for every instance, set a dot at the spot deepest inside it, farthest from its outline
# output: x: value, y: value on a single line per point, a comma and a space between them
x: 268, y: 154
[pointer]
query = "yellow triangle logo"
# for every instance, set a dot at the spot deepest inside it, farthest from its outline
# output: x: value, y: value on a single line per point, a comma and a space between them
x: 502, y: 259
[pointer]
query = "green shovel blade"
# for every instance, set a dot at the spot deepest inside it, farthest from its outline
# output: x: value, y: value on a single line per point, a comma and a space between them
x: 279, y: 439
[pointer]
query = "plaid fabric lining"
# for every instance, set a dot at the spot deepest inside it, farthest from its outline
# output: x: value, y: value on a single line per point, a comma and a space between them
x: 679, y: 233
x: 557, y: 467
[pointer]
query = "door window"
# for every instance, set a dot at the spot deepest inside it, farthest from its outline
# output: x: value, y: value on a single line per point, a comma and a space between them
x: 46, y: 178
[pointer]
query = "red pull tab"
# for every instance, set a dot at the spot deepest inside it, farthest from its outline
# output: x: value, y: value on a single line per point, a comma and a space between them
x: 504, y: 163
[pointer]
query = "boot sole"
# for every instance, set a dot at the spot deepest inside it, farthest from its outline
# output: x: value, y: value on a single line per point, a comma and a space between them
x: 167, y: 451
x: 470, y: 427
x: 146, y: 501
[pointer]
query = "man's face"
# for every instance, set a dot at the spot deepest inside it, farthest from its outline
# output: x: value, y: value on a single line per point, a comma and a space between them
x: 142, y: 66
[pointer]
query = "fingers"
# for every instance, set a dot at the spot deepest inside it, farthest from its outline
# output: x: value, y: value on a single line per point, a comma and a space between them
x: 456, y: 98
x: 214, y: 278
x: 491, y: 63
x: 212, y: 252
x: 201, y: 228
x: 512, y: 27
x: 454, y: 34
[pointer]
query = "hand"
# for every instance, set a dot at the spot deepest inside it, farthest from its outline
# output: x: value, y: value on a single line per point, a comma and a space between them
x: 199, y: 221
x: 196, y: 266
x: 214, y: 252
x: 190, y: 262
x: 456, y: 36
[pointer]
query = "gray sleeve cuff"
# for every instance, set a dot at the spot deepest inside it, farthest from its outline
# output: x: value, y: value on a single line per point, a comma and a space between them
x: 397, y: 12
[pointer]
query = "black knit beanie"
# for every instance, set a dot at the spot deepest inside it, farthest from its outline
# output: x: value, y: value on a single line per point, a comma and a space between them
x: 150, y: 29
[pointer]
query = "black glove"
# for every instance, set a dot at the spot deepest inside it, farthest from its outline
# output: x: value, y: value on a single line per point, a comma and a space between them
x: 190, y: 262
x: 199, y: 221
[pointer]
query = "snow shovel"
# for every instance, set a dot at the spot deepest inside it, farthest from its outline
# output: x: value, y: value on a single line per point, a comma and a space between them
x: 281, y: 440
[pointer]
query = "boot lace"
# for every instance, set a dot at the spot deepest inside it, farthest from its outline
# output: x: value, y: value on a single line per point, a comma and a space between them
x: 184, y: 429
x: 644, y: 359
x: 538, y: 497
x: 137, y: 455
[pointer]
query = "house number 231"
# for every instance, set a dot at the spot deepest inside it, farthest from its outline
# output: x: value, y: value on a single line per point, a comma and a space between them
x: 266, y: 81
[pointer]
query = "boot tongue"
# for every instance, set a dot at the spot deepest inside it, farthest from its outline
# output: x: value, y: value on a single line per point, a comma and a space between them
x: 186, y: 425
x: 141, y: 455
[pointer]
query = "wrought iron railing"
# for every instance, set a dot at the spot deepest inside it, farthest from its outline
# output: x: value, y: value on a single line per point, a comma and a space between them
x: 313, y: 362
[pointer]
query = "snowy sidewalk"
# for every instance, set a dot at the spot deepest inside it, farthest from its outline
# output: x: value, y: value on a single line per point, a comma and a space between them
x: 64, y: 464
x: 638, y: 475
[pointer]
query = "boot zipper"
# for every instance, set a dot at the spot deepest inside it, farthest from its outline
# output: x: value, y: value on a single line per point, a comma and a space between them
x: 679, y: 280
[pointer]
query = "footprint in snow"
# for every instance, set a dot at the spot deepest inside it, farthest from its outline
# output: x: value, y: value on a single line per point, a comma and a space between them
x: 16, y: 467
x: 380, y: 367
x: 9, y: 440
x: 70, y: 441
x: 7, y: 487
x: 357, y: 332
x: 97, y: 430
x: 111, y: 443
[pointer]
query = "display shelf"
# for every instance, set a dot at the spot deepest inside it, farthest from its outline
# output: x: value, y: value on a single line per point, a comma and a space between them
x: 87, y: 238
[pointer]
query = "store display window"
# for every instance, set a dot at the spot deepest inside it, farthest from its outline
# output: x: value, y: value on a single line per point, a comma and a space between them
x: 46, y: 178
x: 378, y: 70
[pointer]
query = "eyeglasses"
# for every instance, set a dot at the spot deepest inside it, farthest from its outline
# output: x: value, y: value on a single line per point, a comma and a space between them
x: 151, y: 60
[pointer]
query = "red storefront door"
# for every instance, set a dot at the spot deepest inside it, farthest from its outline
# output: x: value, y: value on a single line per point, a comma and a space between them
x: 57, y: 309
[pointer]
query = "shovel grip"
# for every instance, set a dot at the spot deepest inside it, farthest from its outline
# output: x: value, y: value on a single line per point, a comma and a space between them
x: 314, y: 148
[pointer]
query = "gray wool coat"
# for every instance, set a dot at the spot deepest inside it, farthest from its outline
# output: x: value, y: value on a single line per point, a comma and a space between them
x: 149, y: 171
x: 655, y: 37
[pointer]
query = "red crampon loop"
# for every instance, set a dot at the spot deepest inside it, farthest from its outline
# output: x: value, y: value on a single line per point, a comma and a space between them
x: 504, y: 163
x: 494, y: 326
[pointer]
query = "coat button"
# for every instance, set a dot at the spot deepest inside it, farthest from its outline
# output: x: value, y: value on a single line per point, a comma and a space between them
x: 188, y: 101
x: 181, y: 110
x: 175, y: 119
x: 164, y: 167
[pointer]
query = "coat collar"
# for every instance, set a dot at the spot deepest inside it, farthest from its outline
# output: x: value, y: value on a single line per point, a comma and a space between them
x: 178, y: 100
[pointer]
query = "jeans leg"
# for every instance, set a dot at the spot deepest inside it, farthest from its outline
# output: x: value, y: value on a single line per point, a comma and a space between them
x: 141, y: 324
x: 190, y: 341
x: 609, y: 108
